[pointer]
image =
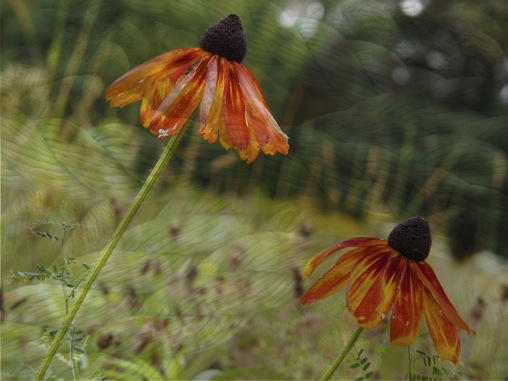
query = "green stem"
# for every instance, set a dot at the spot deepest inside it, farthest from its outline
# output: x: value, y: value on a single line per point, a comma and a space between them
x: 342, y: 355
x: 120, y: 230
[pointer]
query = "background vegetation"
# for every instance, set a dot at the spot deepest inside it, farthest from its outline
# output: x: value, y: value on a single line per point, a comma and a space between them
x: 390, y: 114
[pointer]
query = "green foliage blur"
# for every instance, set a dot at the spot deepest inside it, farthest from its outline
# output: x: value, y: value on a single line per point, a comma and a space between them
x: 385, y: 109
x: 392, y: 111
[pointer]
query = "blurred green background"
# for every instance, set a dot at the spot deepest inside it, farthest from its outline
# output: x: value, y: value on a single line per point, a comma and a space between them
x: 393, y: 109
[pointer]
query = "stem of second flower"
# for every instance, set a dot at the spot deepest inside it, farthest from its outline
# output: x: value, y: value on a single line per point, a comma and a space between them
x: 342, y: 355
x: 120, y: 230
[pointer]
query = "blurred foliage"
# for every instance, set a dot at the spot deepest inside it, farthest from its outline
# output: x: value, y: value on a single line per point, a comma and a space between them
x: 385, y: 111
x: 388, y: 116
x: 208, y: 286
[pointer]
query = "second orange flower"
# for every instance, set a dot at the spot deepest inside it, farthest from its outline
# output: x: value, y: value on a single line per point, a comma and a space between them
x: 172, y: 86
x: 382, y: 275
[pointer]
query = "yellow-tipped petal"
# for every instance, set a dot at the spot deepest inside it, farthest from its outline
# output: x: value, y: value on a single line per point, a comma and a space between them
x: 407, y: 309
x: 217, y: 81
x: 152, y: 100
x: 337, y: 277
x: 317, y: 259
x: 372, y: 285
x: 267, y: 132
x: 133, y: 85
x: 334, y: 279
x: 430, y: 281
x: 444, y: 332
x: 180, y: 104
x: 236, y: 129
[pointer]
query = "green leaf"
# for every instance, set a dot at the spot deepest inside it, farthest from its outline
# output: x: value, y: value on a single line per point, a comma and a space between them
x: 448, y: 371
x: 79, y: 350
x: 135, y: 369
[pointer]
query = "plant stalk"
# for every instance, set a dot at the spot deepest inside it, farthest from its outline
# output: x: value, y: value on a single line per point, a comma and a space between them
x: 97, y: 267
x: 342, y: 355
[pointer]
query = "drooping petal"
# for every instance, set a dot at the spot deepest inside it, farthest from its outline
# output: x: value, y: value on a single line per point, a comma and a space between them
x: 335, y: 278
x: 236, y: 133
x: 217, y: 81
x: 444, y: 332
x: 152, y: 100
x: 257, y: 110
x: 250, y: 152
x: 133, y: 85
x: 266, y: 130
x: 372, y: 285
x: 377, y: 301
x: 180, y: 104
x: 221, y: 125
x: 407, y: 309
x: 317, y: 259
x: 430, y: 281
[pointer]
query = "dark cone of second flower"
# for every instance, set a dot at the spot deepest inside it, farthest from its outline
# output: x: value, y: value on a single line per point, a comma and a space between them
x: 412, y: 239
x: 226, y: 39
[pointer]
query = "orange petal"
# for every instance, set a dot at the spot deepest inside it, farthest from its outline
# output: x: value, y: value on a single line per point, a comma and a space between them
x: 250, y: 153
x: 444, y: 332
x: 378, y: 300
x: 267, y: 132
x: 133, y: 85
x: 317, y: 259
x: 180, y: 104
x: 152, y: 100
x: 335, y: 278
x: 373, y: 284
x: 407, y: 309
x: 430, y: 281
x: 217, y: 79
x: 236, y: 131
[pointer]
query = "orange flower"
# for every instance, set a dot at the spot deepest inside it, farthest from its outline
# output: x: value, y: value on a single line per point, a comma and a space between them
x: 171, y: 87
x: 383, y: 275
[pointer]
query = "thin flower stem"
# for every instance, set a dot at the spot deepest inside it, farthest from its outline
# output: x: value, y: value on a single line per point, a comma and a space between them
x: 342, y: 355
x: 120, y: 230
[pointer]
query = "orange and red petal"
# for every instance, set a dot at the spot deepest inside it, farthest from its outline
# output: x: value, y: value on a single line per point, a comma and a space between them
x: 407, y: 310
x: 250, y: 152
x: 237, y: 132
x: 444, y: 332
x: 217, y: 81
x: 335, y: 278
x: 430, y: 281
x: 177, y: 108
x: 133, y: 85
x: 267, y: 132
x: 152, y: 100
x: 255, y: 105
x: 317, y: 259
x: 373, y: 285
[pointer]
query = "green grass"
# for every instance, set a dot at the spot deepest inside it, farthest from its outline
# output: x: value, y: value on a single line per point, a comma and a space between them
x: 203, y: 283
x: 204, y: 279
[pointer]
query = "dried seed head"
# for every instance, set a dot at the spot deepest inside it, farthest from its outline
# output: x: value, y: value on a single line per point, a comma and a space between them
x: 226, y: 39
x: 412, y: 239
